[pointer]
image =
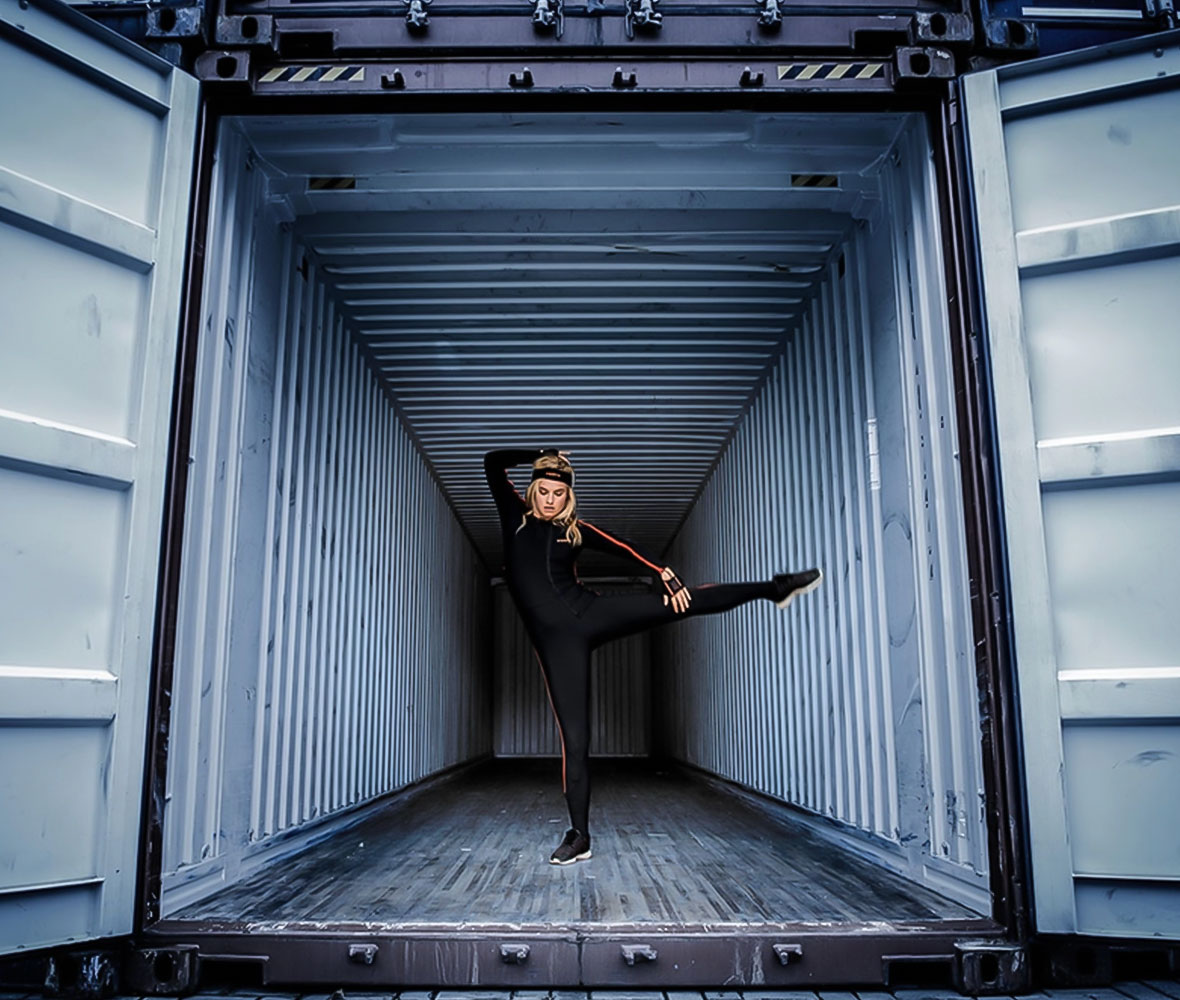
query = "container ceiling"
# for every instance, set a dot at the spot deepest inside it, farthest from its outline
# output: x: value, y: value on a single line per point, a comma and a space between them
x: 616, y: 285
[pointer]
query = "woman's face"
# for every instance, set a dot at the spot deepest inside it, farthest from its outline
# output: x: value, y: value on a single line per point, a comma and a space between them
x: 549, y: 499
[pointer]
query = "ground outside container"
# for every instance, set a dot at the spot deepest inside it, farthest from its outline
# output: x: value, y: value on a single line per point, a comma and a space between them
x: 267, y: 713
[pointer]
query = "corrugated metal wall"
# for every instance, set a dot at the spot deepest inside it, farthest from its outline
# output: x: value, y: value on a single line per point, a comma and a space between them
x: 806, y: 693
x: 620, y: 691
x: 331, y: 630
x: 859, y: 703
x: 301, y: 620
x: 646, y: 263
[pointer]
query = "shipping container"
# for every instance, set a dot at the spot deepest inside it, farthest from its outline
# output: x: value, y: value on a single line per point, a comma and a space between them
x: 268, y: 712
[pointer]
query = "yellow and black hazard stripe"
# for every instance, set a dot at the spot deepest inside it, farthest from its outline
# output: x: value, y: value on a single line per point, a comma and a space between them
x: 331, y: 183
x: 814, y: 180
x: 313, y: 74
x: 832, y: 71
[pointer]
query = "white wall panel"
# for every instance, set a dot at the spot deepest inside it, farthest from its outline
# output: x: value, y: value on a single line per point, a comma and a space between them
x: 330, y: 631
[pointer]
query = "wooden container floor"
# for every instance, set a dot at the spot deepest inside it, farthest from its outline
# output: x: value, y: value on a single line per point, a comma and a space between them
x: 670, y: 848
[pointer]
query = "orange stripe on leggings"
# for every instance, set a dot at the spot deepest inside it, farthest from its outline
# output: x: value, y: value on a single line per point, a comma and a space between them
x: 556, y: 717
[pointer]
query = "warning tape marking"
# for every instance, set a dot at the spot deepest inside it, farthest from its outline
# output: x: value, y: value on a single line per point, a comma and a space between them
x: 313, y: 74
x: 815, y: 180
x: 331, y: 183
x: 831, y: 71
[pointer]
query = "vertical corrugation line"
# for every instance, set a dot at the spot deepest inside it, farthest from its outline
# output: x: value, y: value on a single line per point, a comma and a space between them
x: 815, y: 706
x: 620, y: 692
x: 331, y: 630
x: 792, y: 704
x: 951, y: 724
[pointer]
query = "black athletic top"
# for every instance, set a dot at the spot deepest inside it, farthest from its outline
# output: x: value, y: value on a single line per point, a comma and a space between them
x: 538, y: 560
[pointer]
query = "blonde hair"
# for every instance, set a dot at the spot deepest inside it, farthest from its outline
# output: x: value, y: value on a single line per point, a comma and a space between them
x: 568, y: 515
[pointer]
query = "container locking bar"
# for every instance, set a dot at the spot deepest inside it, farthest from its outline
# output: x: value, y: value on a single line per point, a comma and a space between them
x: 635, y: 953
x: 417, y: 16
x: 642, y: 16
x: 770, y: 16
x: 514, y: 954
x: 548, y: 15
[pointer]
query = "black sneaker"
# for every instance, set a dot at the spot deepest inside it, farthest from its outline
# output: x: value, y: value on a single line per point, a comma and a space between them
x: 788, y: 586
x: 575, y: 847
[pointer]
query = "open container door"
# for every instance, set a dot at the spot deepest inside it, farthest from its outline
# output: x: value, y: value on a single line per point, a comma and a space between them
x: 96, y: 147
x: 1073, y: 169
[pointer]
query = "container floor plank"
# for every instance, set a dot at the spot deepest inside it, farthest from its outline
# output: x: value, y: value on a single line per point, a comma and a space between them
x: 668, y: 848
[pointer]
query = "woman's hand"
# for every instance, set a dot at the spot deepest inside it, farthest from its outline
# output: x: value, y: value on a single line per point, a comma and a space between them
x: 680, y: 596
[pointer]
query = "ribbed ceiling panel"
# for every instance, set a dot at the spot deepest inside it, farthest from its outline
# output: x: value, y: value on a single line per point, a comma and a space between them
x: 616, y: 285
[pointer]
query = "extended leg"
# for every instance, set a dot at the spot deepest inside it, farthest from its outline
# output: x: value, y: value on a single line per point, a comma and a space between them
x: 625, y: 614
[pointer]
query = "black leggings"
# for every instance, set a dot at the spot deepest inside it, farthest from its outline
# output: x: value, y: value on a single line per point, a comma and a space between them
x: 564, y: 643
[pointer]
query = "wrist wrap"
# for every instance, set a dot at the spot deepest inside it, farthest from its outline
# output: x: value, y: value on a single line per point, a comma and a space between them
x: 673, y: 584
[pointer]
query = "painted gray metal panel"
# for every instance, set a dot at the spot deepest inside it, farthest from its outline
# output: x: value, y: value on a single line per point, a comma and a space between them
x: 859, y: 705
x: 332, y: 611
x: 94, y: 188
x: 1081, y: 285
x: 620, y: 691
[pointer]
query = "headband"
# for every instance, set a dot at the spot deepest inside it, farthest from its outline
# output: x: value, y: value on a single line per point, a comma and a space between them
x: 563, y: 475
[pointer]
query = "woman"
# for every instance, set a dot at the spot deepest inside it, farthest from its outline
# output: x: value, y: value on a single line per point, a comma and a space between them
x: 566, y: 621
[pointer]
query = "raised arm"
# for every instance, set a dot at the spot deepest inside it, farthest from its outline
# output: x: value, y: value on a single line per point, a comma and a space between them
x: 496, y: 464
